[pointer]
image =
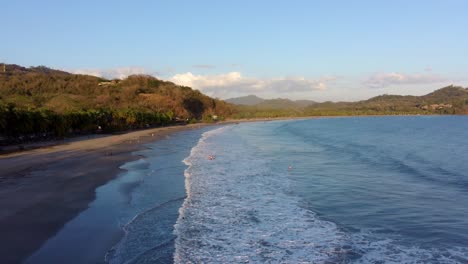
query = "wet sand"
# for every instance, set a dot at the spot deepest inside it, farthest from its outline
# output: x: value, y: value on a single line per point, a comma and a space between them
x: 46, y: 186
x: 42, y: 189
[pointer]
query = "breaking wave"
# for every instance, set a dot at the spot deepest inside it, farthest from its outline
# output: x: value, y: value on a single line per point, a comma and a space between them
x: 239, y: 209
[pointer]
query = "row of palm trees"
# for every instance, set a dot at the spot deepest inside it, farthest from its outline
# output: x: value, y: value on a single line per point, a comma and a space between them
x: 20, y: 125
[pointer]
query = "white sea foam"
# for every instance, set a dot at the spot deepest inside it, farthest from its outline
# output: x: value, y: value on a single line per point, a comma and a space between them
x: 239, y: 210
x: 372, y: 248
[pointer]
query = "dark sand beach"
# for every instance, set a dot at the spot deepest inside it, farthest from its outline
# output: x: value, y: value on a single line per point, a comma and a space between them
x: 42, y: 189
x: 49, y: 184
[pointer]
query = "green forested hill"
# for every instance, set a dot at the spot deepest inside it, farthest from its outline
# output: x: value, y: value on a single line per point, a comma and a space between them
x: 44, y: 88
x: 448, y: 100
x: 48, y: 102
x: 39, y: 102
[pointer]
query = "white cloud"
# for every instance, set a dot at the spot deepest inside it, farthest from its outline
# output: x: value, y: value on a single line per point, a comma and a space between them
x: 233, y: 84
x: 116, y: 73
x: 383, y: 80
x: 200, y: 81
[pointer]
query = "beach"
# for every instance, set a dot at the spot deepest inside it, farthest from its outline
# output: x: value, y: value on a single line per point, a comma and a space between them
x: 153, y: 196
x: 45, y: 185
x: 43, y: 189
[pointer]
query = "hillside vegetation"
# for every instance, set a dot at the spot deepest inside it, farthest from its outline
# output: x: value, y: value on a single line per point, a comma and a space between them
x: 448, y: 100
x: 42, y: 102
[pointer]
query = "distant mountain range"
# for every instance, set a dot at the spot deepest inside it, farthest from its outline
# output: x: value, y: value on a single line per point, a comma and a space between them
x: 447, y: 100
x: 253, y: 100
x: 245, y: 100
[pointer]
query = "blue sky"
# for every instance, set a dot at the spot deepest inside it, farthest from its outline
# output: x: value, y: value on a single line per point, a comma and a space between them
x: 320, y: 50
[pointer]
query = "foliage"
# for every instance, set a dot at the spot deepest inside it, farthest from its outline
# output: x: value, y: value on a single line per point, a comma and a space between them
x: 448, y: 100
x: 39, y: 102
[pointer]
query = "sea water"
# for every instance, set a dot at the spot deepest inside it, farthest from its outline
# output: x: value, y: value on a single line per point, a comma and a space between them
x: 133, y: 216
x: 331, y: 190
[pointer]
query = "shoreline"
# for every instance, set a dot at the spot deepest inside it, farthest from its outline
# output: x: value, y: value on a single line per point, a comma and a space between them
x: 13, y: 150
x: 44, y: 188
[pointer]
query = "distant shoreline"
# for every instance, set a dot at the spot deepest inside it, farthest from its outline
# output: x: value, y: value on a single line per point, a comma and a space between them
x: 15, y: 149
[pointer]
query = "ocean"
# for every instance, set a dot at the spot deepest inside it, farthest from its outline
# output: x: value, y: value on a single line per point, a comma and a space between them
x: 331, y: 190
x: 132, y: 218
x: 327, y: 190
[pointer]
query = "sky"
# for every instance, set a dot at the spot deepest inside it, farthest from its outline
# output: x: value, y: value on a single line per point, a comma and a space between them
x: 318, y: 50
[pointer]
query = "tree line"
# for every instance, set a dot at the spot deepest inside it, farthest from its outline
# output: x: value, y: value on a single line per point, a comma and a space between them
x: 38, y: 103
x: 42, y: 103
x: 20, y: 125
